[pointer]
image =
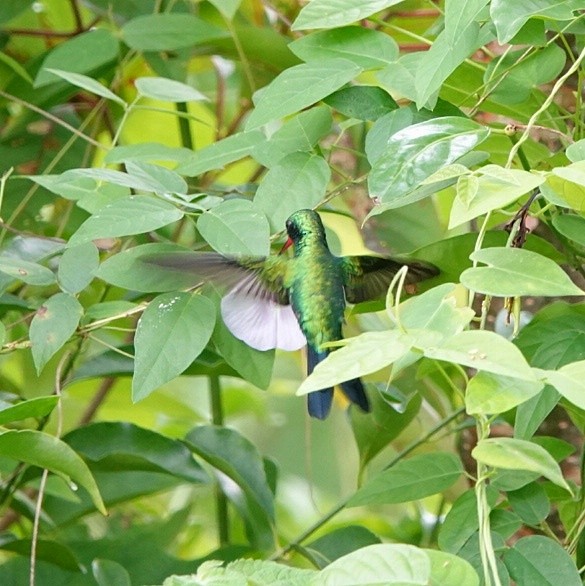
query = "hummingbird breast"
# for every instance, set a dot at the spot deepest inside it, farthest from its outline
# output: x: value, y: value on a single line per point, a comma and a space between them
x: 317, y: 295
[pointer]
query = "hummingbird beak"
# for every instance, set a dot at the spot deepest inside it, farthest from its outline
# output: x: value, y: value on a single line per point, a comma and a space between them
x: 286, y: 245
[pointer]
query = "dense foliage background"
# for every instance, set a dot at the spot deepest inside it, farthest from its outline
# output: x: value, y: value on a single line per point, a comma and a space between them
x: 139, y: 439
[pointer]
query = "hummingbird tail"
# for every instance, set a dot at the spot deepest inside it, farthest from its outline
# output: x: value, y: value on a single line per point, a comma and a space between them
x: 319, y: 402
x: 354, y: 391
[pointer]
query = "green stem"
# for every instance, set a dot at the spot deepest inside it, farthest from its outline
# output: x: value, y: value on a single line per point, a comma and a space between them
x: 342, y: 504
x: 221, y: 502
x: 184, y: 126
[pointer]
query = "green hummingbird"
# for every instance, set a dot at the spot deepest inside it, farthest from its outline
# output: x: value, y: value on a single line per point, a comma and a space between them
x: 289, y: 302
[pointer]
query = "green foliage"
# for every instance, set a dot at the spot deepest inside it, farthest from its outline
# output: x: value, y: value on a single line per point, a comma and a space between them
x: 452, y: 131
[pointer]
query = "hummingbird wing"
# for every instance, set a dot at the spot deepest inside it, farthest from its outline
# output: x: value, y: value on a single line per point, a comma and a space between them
x: 368, y: 277
x: 256, y: 308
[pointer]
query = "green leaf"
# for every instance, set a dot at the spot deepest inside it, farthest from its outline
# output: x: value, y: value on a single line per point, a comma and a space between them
x: 127, y: 271
x: 511, y: 80
x: 530, y: 503
x: 515, y: 272
x: 83, y: 53
x: 87, y: 83
x: 510, y: 18
x: 569, y: 381
x: 334, y: 13
x: 52, y: 326
x: 572, y: 226
x: 235, y: 456
x: 364, y: 354
x: 365, y: 47
x: 37, y: 407
x: 461, y: 522
x: 110, y: 573
x: 29, y: 272
x: 227, y: 7
x: 514, y: 454
x: 298, y: 87
x: 167, y: 90
x: 450, y: 570
x: 45, y: 451
x: 378, y: 564
x: 340, y: 542
x: 125, y: 216
x: 576, y: 151
x: 77, y: 267
x: 112, y: 445
x: 496, y: 188
x: 416, y: 152
x: 489, y: 393
x: 173, y: 330
x: 305, y: 176
x: 461, y: 37
x: 168, y: 32
x: 253, y: 365
x: 300, y: 133
x: 236, y: 227
x: 362, y: 102
x: 409, y: 480
x: 374, y: 431
x: 541, y: 560
x: 221, y: 153
x: 148, y: 152
x: 57, y: 554
x: 484, y: 351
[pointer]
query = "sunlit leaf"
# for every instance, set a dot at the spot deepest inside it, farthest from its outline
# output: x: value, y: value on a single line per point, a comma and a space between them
x: 173, y: 330
x: 514, y: 454
x: 515, y: 272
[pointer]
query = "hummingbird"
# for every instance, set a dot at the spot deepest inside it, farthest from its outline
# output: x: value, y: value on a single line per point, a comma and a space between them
x: 289, y: 302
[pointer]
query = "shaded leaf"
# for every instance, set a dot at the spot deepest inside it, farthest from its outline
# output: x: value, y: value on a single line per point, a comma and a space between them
x: 52, y: 326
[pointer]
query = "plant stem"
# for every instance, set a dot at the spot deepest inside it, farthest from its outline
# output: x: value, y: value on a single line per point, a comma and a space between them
x: 342, y: 504
x: 221, y: 502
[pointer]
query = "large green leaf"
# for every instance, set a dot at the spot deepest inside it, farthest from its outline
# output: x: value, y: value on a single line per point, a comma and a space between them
x: 37, y: 407
x: 87, y: 83
x: 299, y: 87
x: 569, y: 381
x: 365, y: 47
x: 53, y: 324
x: 514, y: 454
x: 167, y: 90
x: 451, y: 570
x: 484, y: 351
x: 112, y: 445
x: 167, y: 32
x: 236, y: 227
x: 235, y: 456
x: 219, y: 154
x: 81, y: 54
x: 386, y: 564
x: 77, y: 267
x: 496, y: 189
x: 541, y: 560
x: 126, y: 270
x: 510, y: 18
x: 411, y: 479
x: 363, y: 102
x: 173, y: 330
x: 29, y: 272
x: 300, y: 133
x: 297, y: 181
x: 514, y: 272
x: 45, y: 451
x: 134, y: 214
x: 489, y: 393
x: 361, y: 355
x: 530, y: 503
x: 334, y: 13
x: 416, y: 152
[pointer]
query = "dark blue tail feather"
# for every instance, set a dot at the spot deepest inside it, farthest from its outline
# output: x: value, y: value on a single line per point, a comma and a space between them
x: 319, y: 402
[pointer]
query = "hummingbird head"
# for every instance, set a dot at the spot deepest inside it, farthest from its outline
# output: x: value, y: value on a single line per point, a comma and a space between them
x: 304, y: 224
